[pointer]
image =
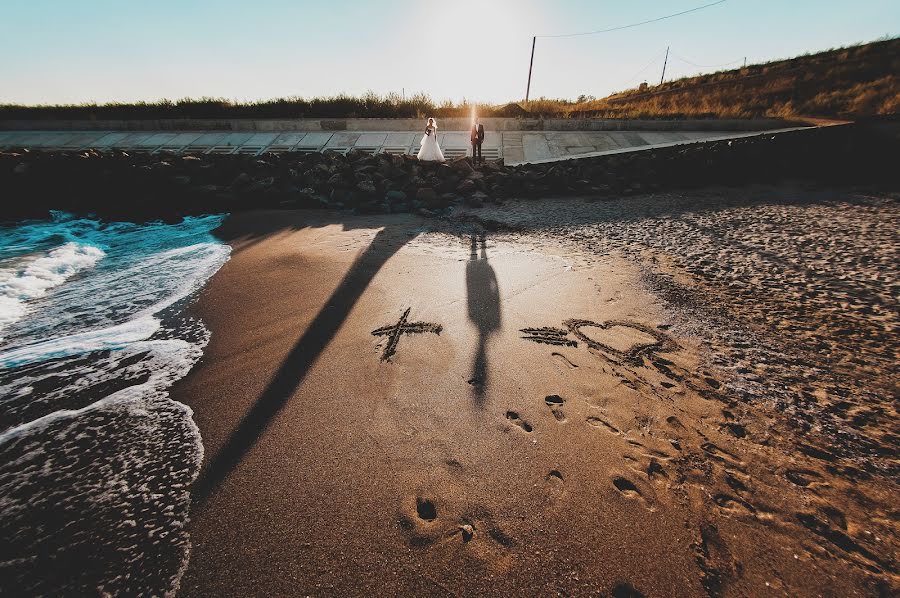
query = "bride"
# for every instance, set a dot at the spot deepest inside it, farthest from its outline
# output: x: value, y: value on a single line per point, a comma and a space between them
x: 430, y: 148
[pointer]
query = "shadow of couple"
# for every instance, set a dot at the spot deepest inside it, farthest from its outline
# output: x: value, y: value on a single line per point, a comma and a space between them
x: 483, y: 300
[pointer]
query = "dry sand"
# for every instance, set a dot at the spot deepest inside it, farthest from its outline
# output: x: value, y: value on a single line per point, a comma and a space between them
x: 662, y: 396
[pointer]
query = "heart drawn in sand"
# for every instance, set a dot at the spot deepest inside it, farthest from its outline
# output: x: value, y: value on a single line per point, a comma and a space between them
x: 620, y: 337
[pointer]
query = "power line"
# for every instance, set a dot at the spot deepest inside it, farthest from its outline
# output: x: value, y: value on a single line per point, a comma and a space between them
x: 706, y: 66
x: 677, y: 14
x: 648, y: 65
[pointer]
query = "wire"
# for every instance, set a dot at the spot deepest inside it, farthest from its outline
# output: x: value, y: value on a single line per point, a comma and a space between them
x: 648, y: 65
x: 705, y: 66
x: 677, y: 14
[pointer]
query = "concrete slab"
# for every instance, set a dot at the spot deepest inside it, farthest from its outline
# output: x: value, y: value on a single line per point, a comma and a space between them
x: 288, y: 139
x: 536, y: 147
x: 46, y: 139
x: 400, y: 139
x: 371, y: 140
x: 131, y: 140
x: 83, y: 139
x: 154, y: 141
x: 623, y: 150
x: 108, y: 140
x: 180, y: 140
x: 456, y: 140
x: 208, y: 139
x: 342, y: 140
x: 261, y: 139
x: 315, y: 140
x: 234, y: 139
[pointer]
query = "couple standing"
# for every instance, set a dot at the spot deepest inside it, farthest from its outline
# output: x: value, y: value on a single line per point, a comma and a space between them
x: 431, y: 150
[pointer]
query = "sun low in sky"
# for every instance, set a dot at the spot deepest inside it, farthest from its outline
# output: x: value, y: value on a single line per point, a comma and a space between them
x: 58, y: 51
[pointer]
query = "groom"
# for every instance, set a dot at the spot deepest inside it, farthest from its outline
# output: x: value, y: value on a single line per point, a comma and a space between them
x: 477, y: 138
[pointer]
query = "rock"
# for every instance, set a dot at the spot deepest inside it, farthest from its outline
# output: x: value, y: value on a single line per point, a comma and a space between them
x: 449, y: 183
x: 20, y: 168
x: 467, y: 532
x: 395, y: 196
x: 337, y: 181
x: 367, y: 187
x: 390, y: 171
x: 365, y: 169
x: 182, y: 180
x: 261, y: 185
x: 426, y: 194
x: 241, y: 180
x: 461, y: 165
x: 466, y: 187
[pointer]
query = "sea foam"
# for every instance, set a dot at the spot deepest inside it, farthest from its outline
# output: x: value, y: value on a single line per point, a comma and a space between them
x: 39, y: 275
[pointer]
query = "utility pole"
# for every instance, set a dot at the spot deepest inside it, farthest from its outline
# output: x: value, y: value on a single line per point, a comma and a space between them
x: 664, y: 65
x: 404, y: 93
x: 530, y: 65
x: 745, y: 62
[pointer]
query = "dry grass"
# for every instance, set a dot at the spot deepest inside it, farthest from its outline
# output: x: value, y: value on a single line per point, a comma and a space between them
x: 852, y: 82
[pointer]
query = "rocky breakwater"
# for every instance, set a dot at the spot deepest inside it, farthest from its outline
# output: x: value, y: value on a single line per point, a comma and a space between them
x: 149, y: 186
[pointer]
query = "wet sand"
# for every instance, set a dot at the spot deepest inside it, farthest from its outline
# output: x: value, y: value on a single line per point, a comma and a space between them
x: 639, y: 397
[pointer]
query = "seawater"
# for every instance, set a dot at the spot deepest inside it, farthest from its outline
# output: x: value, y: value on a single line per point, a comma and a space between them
x: 96, y: 460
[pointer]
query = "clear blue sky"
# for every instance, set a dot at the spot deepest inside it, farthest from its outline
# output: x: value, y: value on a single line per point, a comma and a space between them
x: 58, y: 51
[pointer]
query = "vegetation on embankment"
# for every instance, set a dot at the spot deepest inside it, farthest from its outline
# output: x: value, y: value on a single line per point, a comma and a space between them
x: 853, y: 82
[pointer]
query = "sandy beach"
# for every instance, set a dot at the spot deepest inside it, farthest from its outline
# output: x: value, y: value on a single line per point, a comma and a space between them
x: 667, y: 395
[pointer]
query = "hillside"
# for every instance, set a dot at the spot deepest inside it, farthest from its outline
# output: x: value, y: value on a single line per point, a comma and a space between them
x: 849, y: 82
x: 857, y: 81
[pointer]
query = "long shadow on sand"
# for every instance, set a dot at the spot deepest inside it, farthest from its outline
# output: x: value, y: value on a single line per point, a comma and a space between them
x: 298, y: 362
x: 483, y: 301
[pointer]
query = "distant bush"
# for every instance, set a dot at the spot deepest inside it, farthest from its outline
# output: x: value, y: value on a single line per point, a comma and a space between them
x: 862, y: 80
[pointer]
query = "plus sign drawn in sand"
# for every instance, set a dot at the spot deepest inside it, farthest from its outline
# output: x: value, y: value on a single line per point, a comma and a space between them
x: 403, y: 326
x: 618, y: 338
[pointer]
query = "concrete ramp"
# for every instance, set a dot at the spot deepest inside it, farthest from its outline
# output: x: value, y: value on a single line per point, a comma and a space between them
x: 515, y: 147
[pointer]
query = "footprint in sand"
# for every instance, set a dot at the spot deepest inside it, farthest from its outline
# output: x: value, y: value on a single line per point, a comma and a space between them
x: 719, y: 454
x: 555, y: 402
x: 425, y: 509
x: 555, y: 483
x: 627, y: 487
x: 601, y: 423
x: 514, y: 418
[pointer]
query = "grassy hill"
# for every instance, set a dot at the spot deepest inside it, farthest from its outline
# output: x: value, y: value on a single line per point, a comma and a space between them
x: 849, y: 82
x: 857, y: 81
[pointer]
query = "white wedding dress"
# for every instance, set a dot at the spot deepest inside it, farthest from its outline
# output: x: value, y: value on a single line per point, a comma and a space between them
x: 430, y: 148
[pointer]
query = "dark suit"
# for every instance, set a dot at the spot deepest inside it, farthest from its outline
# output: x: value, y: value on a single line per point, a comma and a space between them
x: 477, y: 138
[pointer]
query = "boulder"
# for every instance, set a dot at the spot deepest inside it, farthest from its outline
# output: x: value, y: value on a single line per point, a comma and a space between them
x: 461, y: 165
x: 390, y: 171
x: 367, y: 187
x: 426, y: 194
x: 466, y: 187
x: 261, y: 184
x: 395, y: 196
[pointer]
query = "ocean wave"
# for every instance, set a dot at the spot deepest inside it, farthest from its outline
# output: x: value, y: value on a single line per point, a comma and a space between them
x: 96, y: 460
x: 41, y: 274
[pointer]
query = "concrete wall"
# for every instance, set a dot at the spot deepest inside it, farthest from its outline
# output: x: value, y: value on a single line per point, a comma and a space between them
x: 395, y: 124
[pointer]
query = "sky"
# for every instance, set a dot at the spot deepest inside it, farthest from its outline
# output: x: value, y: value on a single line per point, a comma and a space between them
x: 68, y: 51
